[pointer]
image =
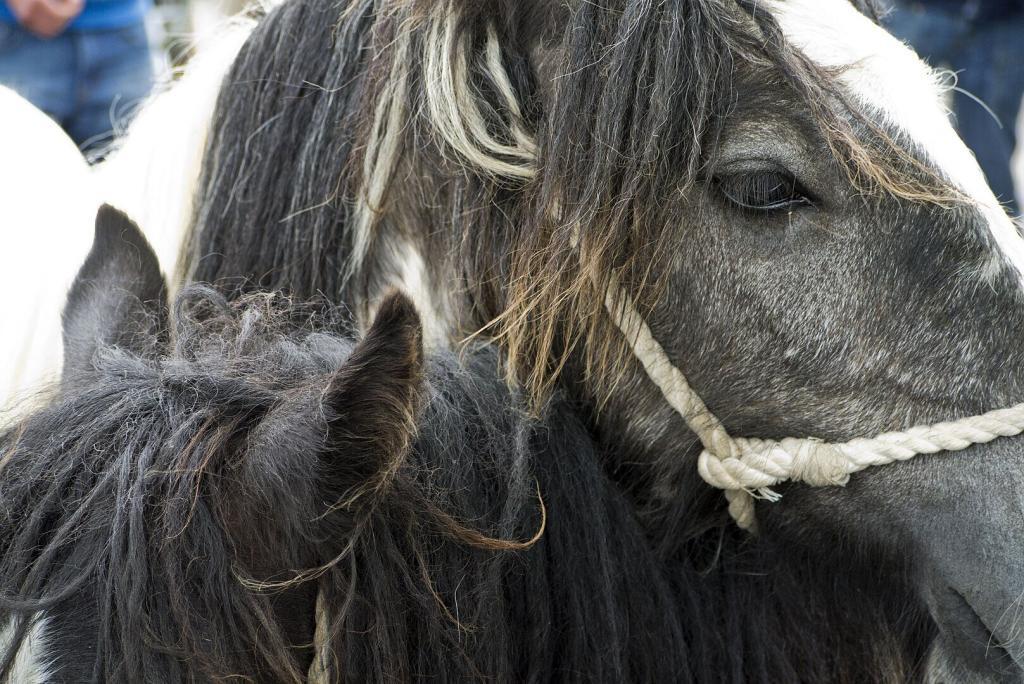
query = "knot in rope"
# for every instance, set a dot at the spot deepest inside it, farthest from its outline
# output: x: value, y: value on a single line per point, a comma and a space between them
x: 758, y: 464
x: 747, y: 468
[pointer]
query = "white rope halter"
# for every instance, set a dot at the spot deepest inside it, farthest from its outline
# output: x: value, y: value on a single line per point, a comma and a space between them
x: 747, y: 468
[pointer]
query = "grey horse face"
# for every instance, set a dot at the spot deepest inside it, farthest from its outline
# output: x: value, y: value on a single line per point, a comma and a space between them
x: 803, y: 306
x: 795, y: 303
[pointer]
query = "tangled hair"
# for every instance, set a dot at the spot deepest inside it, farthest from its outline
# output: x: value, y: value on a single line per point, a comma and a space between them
x: 184, y: 506
x: 617, y: 150
x: 504, y: 141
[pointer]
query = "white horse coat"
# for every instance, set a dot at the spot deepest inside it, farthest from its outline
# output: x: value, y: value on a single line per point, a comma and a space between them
x: 49, y: 197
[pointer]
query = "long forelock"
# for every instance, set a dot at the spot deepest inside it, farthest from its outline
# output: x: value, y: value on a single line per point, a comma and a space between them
x: 450, y: 60
x: 615, y: 148
x: 599, y: 157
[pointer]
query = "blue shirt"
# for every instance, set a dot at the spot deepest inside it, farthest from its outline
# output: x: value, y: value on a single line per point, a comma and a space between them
x: 97, y: 14
x: 977, y: 10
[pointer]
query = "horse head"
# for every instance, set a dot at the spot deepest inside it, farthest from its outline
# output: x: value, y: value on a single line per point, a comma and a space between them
x: 773, y: 183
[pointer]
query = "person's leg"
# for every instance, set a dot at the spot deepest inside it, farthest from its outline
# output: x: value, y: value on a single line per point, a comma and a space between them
x: 116, y: 76
x: 993, y: 74
x: 41, y: 71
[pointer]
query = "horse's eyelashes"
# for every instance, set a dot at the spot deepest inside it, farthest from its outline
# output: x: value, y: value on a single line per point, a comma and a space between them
x: 763, y: 191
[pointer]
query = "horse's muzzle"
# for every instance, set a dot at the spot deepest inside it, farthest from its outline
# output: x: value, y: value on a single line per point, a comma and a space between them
x: 971, y: 536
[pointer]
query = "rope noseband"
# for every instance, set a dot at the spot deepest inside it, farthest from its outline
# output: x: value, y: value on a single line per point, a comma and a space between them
x: 747, y: 468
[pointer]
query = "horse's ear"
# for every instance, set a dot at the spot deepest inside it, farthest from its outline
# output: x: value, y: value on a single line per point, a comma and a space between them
x: 372, y: 402
x: 371, y: 405
x: 347, y: 439
x: 118, y: 298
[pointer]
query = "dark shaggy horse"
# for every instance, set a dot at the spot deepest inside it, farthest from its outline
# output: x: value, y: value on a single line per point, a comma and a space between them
x: 174, y: 511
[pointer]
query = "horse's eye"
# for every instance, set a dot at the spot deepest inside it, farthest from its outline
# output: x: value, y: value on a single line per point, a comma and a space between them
x: 763, y: 191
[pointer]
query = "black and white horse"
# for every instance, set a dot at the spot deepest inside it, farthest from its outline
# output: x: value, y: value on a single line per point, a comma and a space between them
x: 776, y: 185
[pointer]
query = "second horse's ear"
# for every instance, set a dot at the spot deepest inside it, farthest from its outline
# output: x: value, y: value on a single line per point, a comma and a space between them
x: 373, y: 400
x: 353, y: 432
x: 118, y: 297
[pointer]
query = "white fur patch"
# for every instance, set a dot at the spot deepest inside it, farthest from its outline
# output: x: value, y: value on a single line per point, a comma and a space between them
x: 890, y: 80
x: 31, y: 666
x: 415, y: 282
x: 47, y: 212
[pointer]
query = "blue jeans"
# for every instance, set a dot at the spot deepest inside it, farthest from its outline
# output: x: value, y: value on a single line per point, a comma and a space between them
x: 988, y: 57
x: 88, y: 81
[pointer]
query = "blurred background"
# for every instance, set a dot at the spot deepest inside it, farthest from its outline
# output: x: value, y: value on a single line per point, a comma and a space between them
x: 979, y: 45
x: 88, y: 63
